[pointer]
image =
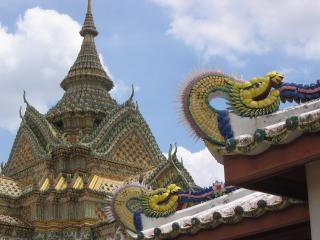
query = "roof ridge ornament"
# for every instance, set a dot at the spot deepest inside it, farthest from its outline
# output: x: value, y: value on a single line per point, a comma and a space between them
x: 89, y: 27
x: 88, y: 68
x: 25, y: 98
x: 20, y: 113
x: 132, y: 93
x: 255, y: 101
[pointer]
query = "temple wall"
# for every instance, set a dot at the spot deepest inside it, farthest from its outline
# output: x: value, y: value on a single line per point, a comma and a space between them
x: 83, y: 234
x: 313, y: 181
x: 8, y: 237
x: 14, y: 233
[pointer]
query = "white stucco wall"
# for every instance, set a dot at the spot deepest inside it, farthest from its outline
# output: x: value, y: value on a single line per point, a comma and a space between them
x: 313, y: 181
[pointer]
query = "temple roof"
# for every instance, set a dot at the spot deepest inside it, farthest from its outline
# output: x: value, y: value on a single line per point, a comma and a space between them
x: 87, y: 67
x: 228, y: 209
x: 102, y: 184
x: 256, y: 135
x: 13, y: 221
x: 88, y: 25
x: 87, y: 83
x: 82, y: 99
x: 9, y: 187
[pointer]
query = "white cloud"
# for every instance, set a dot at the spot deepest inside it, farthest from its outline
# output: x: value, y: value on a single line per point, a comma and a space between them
x: 121, y: 91
x: 36, y: 58
x: 202, y: 166
x: 231, y: 29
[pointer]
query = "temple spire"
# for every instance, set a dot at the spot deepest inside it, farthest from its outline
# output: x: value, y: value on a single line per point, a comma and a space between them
x: 88, y: 25
x: 87, y: 69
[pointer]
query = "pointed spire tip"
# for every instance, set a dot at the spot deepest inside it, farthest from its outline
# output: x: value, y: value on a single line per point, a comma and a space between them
x: 89, y: 10
x: 88, y: 25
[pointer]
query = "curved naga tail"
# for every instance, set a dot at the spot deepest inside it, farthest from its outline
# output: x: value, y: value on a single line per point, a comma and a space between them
x: 299, y: 93
x: 131, y: 201
x: 246, y: 99
x: 124, y: 203
x: 128, y: 202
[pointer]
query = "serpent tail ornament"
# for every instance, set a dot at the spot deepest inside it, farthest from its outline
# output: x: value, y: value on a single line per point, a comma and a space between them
x: 246, y: 100
x: 130, y: 202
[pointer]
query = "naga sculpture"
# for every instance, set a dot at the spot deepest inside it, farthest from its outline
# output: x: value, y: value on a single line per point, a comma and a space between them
x: 229, y: 131
x: 129, y: 203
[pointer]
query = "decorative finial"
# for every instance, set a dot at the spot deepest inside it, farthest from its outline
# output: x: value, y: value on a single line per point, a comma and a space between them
x: 170, y: 152
x: 2, y: 169
x: 89, y: 7
x: 176, y: 150
x: 25, y: 98
x: 20, y: 112
x: 132, y: 93
x: 88, y: 27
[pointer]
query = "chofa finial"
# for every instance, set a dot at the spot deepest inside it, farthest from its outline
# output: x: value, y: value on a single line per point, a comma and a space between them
x: 25, y: 98
x: 132, y: 93
x: 88, y: 27
x: 20, y: 112
x: 89, y: 10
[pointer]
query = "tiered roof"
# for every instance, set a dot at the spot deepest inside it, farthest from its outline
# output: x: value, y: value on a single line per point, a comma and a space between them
x: 13, y: 221
x: 117, y: 145
x: 9, y: 187
x: 87, y: 84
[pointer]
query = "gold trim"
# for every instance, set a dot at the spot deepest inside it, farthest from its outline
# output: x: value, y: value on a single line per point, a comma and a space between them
x: 54, y: 225
x: 45, y: 186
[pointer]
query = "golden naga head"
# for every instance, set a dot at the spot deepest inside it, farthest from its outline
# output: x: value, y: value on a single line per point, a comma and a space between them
x: 275, y: 77
x: 173, y: 188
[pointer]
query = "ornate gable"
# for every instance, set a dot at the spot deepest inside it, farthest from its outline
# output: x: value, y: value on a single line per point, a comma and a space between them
x: 41, y: 128
x: 133, y: 151
x: 24, y: 152
x: 124, y: 136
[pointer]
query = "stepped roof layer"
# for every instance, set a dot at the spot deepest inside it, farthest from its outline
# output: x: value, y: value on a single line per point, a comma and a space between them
x: 9, y: 187
x: 228, y: 209
x: 122, y: 121
x: 83, y: 100
x: 13, y: 221
x: 87, y: 84
x: 87, y: 146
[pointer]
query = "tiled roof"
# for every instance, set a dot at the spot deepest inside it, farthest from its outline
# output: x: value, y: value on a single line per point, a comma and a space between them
x: 105, y: 185
x: 9, y: 187
x: 225, y: 210
x: 87, y: 84
x: 80, y: 99
x: 12, y: 221
x: 256, y: 135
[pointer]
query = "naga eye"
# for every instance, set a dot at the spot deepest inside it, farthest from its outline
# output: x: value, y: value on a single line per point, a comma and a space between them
x: 256, y: 85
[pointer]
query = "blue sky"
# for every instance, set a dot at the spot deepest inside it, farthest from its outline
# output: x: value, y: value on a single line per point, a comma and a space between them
x: 155, y: 45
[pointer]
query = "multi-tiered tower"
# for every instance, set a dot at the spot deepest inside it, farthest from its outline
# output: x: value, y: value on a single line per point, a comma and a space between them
x: 64, y: 163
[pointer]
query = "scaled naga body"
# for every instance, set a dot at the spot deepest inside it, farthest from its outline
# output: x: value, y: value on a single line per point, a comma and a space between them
x: 246, y: 99
x: 129, y: 203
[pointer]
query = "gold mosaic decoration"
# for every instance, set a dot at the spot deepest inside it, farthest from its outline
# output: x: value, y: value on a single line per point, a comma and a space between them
x: 123, y: 214
x: 9, y: 187
x: 202, y: 113
x: 61, y: 184
x: 23, y: 155
x: 102, y: 184
x: 45, y: 185
x: 78, y: 184
x: 133, y: 151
